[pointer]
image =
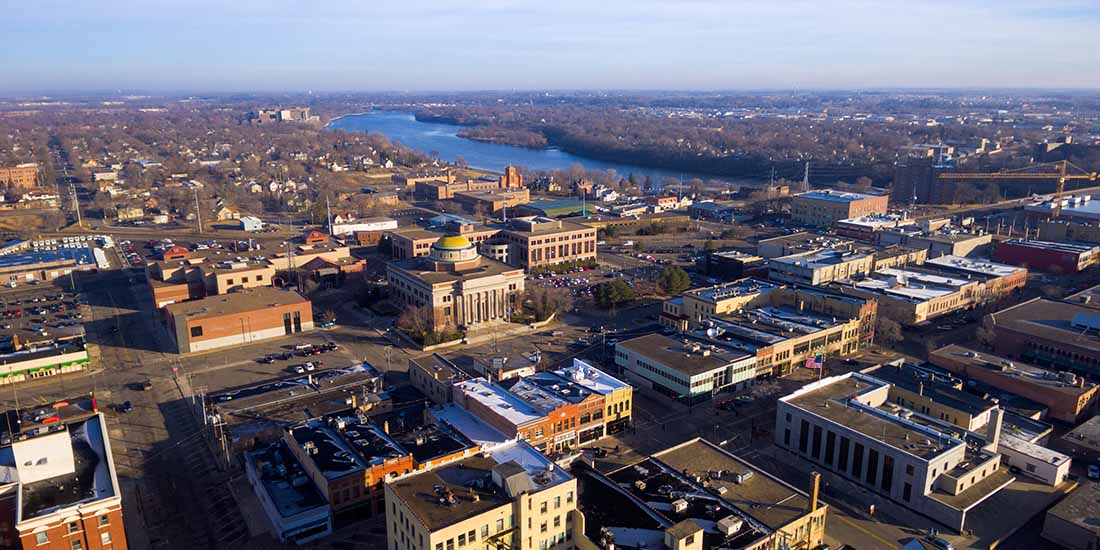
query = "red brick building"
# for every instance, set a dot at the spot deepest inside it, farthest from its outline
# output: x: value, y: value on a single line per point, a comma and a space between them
x: 238, y: 318
x: 1051, y: 257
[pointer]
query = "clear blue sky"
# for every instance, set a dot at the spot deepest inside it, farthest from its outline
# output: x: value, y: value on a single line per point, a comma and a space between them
x: 268, y: 45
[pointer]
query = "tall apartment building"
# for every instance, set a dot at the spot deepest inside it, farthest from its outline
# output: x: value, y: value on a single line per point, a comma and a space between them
x: 825, y: 207
x: 848, y: 424
x: 512, y: 497
x: 60, y: 485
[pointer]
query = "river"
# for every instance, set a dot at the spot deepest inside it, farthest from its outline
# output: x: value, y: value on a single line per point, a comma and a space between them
x: 443, y: 138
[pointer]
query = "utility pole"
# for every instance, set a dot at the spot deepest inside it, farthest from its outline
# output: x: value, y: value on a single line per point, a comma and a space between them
x: 328, y: 214
x: 198, y: 209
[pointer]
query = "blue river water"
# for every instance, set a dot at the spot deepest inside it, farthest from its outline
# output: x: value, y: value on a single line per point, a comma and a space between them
x: 442, y: 138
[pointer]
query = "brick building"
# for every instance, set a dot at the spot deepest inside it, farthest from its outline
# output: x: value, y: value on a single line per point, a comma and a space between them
x: 23, y: 176
x: 826, y: 207
x: 61, y: 485
x: 237, y: 318
x: 1052, y: 257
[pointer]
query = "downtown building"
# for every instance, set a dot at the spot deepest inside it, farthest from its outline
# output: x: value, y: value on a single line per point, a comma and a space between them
x: 850, y: 425
x: 824, y: 208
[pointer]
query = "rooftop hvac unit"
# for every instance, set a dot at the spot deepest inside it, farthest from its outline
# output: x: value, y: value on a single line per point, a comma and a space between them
x: 742, y: 477
x: 679, y: 506
x: 730, y: 525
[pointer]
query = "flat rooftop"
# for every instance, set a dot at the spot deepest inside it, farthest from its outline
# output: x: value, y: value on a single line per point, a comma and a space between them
x: 547, y: 390
x: 236, y: 302
x: 763, y: 496
x: 92, y: 478
x: 1090, y: 297
x: 1074, y: 248
x: 429, y: 442
x: 285, y: 481
x: 595, y: 380
x: 460, y: 420
x: 936, y: 389
x: 832, y: 195
x: 500, y: 401
x: 1086, y: 435
x: 907, y: 284
x: 439, y: 367
x: 1013, y: 371
x: 734, y: 289
x: 544, y: 226
x: 977, y: 492
x: 1059, y: 321
x: 449, y: 494
x: 1075, y: 206
x: 765, y: 326
x: 690, y: 359
x: 821, y: 258
x: 659, y: 485
x: 833, y: 400
x: 977, y: 266
x: 1080, y: 507
x: 874, y: 221
x: 292, y: 388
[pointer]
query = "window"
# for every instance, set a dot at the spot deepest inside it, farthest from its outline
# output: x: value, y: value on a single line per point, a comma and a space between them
x: 439, y: 546
x: 857, y: 461
x: 542, y: 527
x: 462, y: 540
x: 887, y: 473
x: 41, y: 538
x: 259, y: 278
x: 484, y: 531
x: 557, y: 502
x: 872, y: 467
x: 196, y: 331
x: 689, y: 540
x: 76, y: 545
x: 1031, y: 468
x: 557, y: 521
x: 104, y: 521
x: 830, y: 445
x: 787, y: 437
x: 472, y: 535
x: 817, y: 442
x: 788, y: 420
x: 542, y: 507
x: 569, y: 497
x: 105, y: 538
x: 244, y: 279
x: 803, y: 436
x: 500, y: 525
x: 908, y: 469
x: 229, y: 281
x: 73, y: 527
x: 907, y: 492
x: 450, y: 544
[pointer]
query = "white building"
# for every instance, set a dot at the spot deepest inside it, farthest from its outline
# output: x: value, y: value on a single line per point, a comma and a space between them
x: 251, y: 223
x: 344, y: 227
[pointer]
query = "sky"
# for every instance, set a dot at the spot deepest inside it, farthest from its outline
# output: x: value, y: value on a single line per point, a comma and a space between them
x: 430, y: 45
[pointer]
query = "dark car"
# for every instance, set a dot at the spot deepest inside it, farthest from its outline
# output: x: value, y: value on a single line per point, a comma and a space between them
x: 267, y: 359
x: 125, y: 407
x: 283, y: 356
x: 146, y: 385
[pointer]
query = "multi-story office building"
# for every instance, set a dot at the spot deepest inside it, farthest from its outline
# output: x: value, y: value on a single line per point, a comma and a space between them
x: 819, y: 267
x: 848, y: 425
x: 459, y: 286
x: 537, y: 242
x: 510, y: 497
x: 823, y: 208
x: 697, y: 305
x: 1067, y: 397
x: 60, y: 486
x: 237, y: 318
x: 696, y: 496
x: 689, y: 370
x: 1058, y: 334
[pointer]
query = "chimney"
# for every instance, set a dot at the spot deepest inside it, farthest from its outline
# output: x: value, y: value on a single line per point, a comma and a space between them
x: 920, y: 388
x: 1080, y: 381
x: 815, y: 490
x: 993, y: 429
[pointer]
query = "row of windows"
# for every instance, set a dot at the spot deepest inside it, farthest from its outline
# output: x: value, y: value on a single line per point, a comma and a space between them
x: 73, y: 528
x: 259, y: 278
x: 618, y: 407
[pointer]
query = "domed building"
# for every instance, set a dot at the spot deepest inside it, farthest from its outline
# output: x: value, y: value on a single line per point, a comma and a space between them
x: 462, y: 287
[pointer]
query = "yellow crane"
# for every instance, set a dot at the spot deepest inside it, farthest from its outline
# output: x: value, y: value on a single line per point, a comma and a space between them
x: 1062, y: 175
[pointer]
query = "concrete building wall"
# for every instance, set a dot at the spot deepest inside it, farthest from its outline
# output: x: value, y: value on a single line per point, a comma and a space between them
x: 97, y: 527
x: 239, y: 328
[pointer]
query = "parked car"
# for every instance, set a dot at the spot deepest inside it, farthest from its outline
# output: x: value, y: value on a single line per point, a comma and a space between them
x: 326, y: 324
x: 283, y: 356
x: 939, y: 543
x: 125, y: 407
x: 299, y: 369
x: 147, y: 385
x: 267, y: 359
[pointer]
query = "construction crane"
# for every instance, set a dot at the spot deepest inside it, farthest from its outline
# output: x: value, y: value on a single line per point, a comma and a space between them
x: 1062, y: 175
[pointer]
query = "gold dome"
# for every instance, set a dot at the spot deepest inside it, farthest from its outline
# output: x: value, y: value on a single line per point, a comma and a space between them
x: 453, y: 242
